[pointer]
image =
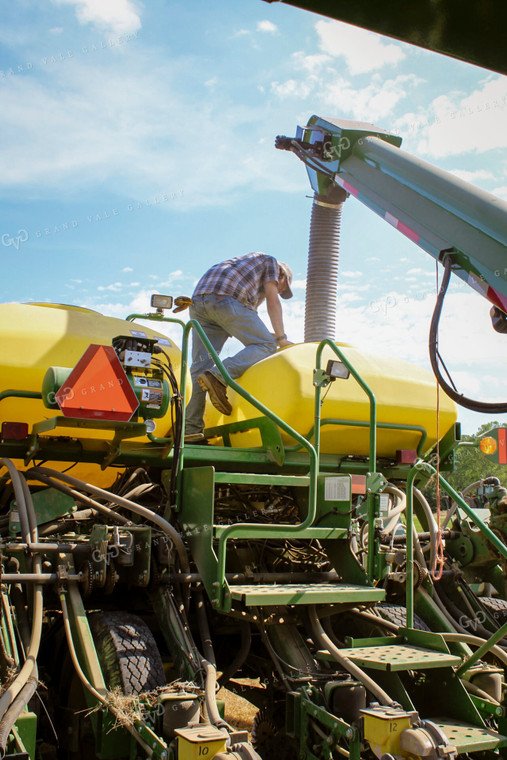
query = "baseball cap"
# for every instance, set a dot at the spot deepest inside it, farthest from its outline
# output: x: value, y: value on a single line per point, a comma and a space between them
x: 287, y: 293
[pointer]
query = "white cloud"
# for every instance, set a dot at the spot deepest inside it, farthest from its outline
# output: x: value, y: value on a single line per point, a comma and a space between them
x: 114, y: 286
x: 127, y: 269
x: 500, y: 191
x: 85, y: 123
x: 363, y: 51
x: 267, y: 26
x: 293, y: 88
x: 375, y: 101
x: 117, y: 16
x: 311, y: 63
x: 458, y: 124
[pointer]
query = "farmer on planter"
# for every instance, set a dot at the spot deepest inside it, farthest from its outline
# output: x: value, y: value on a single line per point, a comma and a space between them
x: 225, y: 303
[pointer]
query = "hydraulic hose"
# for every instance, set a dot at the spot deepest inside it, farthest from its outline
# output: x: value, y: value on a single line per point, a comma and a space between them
x: 16, y: 708
x: 356, y: 672
x: 322, y: 272
x: 393, y: 515
x: 240, y: 656
x: 210, y: 682
x: 473, y: 689
x: 109, y: 513
x: 450, y: 619
x: 19, y: 495
x: 452, y: 509
x: 475, y: 406
x: 28, y: 520
x: 432, y: 525
x: 147, y: 514
x: 206, y: 640
x: 380, y: 621
x: 467, y: 638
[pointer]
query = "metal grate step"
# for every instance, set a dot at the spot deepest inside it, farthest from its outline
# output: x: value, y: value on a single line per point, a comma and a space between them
x: 393, y: 657
x: 467, y: 738
x: 272, y: 594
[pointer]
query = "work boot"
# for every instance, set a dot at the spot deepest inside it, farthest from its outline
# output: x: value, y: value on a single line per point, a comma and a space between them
x: 217, y: 392
x: 194, y: 438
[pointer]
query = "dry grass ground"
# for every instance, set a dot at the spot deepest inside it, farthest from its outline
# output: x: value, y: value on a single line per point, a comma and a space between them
x: 238, y: 710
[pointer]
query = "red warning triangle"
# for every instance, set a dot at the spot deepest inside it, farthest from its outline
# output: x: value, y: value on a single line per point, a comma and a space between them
x: 98, y: 388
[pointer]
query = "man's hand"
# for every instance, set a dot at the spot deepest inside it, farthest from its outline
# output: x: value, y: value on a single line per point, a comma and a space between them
x: 284, y: 342
x: 274, y: 309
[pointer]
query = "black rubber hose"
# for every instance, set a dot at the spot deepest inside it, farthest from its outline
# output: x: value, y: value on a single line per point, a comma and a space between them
x: 241, y: 654
x: 475, y: 406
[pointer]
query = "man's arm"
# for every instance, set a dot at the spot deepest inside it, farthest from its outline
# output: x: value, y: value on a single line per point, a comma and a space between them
x: 275, y: 312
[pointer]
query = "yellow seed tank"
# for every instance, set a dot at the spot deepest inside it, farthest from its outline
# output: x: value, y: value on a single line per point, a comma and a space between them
x: 406, y: 397
x: 34, y: 337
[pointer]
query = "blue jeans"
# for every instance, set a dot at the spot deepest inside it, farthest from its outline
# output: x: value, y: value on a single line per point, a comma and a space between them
x: 223, y: 317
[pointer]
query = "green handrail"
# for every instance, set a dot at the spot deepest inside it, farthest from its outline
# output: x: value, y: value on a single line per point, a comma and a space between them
x: 366, y: 388
x: 240, y: 529
x: 428, y: 469
x: 363, y: 423
x: 19, y: 394
x: 244, y: 529
x: 372, y: 461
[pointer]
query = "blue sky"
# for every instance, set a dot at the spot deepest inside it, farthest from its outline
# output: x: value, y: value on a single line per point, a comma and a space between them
x: 137, y: 149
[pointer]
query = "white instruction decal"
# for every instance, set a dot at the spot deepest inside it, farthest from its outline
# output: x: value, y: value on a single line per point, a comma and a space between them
x: 337, y: 489
x: 384, y: 504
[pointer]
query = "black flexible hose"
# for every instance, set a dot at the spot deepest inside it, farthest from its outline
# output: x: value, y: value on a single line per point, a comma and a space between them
x: 475, y: 406
x: 240, y: 656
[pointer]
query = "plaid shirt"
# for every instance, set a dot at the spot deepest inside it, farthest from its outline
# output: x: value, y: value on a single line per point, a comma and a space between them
x: 242, y: 278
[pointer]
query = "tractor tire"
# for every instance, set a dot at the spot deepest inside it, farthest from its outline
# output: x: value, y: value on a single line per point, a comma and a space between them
x: 496, y: 607
x: 397, y: 614
x: 129, y: 659
x: 127, y: 652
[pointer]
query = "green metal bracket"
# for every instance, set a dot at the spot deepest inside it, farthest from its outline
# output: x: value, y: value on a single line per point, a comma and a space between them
x: 82, y: 636
x: 446, y: 448
x: 270, y: 435
x: 320, y: 378
x: 303, y: 708
x: 196, y: 518
x: 49, y: 504
x: 154, y: 742
x: 122, y: 430
x: 24, y: 733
